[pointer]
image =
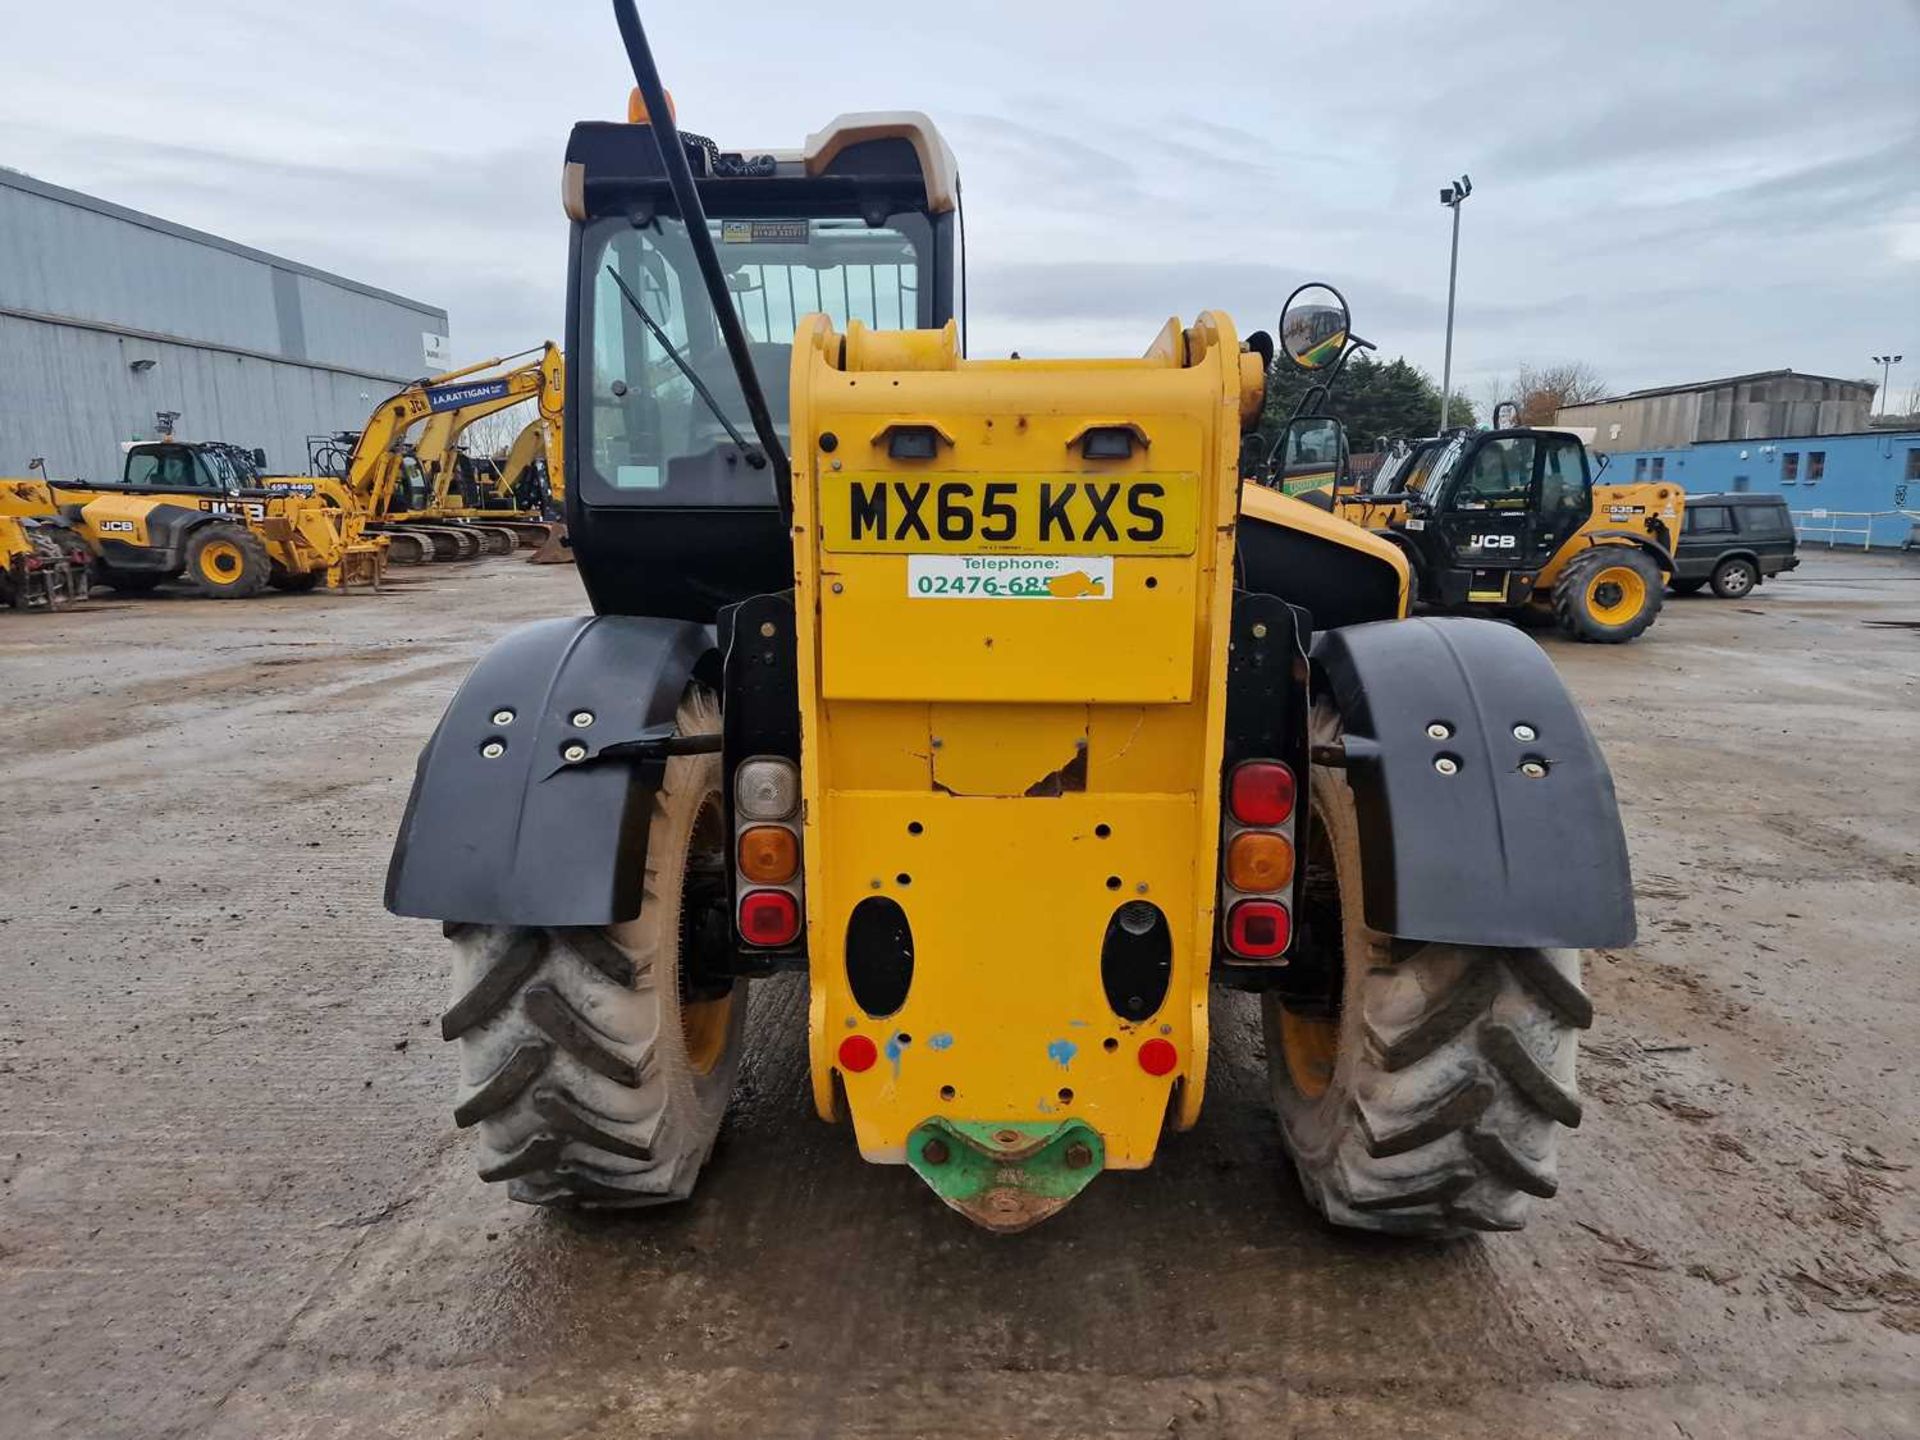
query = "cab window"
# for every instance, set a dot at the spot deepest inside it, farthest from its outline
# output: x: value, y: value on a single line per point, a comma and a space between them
x: 174, y: 468
x: 1500, y: 475
x: 1564, y: 485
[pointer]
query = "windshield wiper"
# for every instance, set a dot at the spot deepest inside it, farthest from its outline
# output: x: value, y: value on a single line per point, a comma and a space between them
x: 754, y: 458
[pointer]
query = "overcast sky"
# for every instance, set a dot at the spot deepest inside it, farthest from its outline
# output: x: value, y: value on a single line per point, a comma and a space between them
x: 1666, y: 189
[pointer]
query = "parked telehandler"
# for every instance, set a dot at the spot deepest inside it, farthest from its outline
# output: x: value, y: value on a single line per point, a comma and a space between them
x: 198, y: 512
x: 985, y: 693
x: 1509, y: 521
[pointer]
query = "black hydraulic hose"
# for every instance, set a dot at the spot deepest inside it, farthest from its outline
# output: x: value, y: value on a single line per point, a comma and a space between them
x: 693, y: 214
x: 693, y: 378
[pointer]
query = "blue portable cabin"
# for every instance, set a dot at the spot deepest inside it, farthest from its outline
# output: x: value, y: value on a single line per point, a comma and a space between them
x: 1856, y: 489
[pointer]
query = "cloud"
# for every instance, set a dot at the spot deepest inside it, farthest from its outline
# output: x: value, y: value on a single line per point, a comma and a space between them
x: 1664, y: 191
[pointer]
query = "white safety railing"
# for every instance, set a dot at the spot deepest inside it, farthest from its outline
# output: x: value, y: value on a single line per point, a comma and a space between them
x: 1834, y: 528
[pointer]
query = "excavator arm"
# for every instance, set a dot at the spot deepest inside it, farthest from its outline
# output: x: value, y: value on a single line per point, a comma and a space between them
x: 543, y: 381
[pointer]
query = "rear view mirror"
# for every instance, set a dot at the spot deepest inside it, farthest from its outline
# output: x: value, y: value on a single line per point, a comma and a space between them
x: 1314, y: 326
x: 260, y: 459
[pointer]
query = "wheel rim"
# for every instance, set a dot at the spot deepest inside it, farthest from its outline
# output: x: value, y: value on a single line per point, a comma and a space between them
x: 1310, y: 1045
x: 1738, y: 579
x: 1310, y: 1036
x: 704, y: 1024
x: 221, y: 562
x: 1616, y: 594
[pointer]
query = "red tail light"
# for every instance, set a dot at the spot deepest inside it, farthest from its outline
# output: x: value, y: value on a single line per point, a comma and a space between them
x: 769, y: 917
x: 857, y: 1054
x: 1258, y: 929
x: 1158, y: 1057
x: 1261, y: 793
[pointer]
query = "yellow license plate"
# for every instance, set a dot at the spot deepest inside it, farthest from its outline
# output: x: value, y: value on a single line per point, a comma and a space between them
x: 1009, y: 514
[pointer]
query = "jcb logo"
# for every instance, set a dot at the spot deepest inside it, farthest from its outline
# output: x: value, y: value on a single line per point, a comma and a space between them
x: 116, y: 527
x: 251, y: 509
x: 1144, y: 515
x: 1491, y: 542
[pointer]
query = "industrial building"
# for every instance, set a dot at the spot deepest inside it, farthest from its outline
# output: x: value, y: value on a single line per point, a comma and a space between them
x: 1842, y: 489
x: 116, y: 325
x: 1741, y: 407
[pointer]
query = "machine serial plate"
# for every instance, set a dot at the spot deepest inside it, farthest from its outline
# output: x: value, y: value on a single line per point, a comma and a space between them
x: 1009, y: 514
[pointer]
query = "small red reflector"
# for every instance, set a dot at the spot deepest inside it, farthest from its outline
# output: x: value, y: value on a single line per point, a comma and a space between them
x: 1261, y: 793
x: 1158, y: 1057
x: 857, y: 1053
x: 769, y: 917
x: 1258, y: 929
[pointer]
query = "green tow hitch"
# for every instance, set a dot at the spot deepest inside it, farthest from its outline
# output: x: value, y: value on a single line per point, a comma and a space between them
x: 1005, y: 1177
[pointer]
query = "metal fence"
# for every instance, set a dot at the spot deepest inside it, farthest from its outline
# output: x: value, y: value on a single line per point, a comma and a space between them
x: 1865, y: 528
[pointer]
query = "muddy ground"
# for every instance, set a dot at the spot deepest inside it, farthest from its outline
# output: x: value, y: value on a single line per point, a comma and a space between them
x: 232, y: 1202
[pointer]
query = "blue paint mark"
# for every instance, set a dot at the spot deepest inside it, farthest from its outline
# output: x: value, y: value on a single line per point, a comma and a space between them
x: 1078, y: 1024
x: 1061, y: 1052
x: 942, y: 1041
x: 893, y: 1051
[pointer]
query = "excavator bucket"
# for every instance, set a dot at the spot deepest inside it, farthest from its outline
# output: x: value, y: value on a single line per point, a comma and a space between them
x: 556, y: 549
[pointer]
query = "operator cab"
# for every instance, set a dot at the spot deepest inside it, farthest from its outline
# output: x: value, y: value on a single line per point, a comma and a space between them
x: 861, y: 225
x: 1487, y: 510
x: 168, y: 465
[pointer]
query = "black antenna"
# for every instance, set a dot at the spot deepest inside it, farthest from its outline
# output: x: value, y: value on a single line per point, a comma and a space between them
x: 673, y: 155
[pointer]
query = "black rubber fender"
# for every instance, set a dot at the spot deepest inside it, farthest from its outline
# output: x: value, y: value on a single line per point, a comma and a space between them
x: 1484, y: 853
x: 501, y: 828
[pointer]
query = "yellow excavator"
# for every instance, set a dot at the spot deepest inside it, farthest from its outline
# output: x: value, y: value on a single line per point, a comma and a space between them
x: 384, y: 477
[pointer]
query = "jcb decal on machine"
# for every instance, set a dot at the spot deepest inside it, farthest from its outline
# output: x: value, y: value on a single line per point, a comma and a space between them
x: 1491, y: 542
x: 252, y: 509
x: 116, y: 527
x: 1051, y: 515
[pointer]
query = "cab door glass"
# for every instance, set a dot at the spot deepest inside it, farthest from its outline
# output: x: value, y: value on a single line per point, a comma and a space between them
x: 1499, y: 477
x: 1565, y: 488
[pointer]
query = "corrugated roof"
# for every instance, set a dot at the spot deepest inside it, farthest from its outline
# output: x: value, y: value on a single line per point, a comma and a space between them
x: 1697, y: 385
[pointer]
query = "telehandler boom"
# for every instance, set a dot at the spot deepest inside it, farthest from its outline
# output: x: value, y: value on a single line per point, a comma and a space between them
x: 985, y: 693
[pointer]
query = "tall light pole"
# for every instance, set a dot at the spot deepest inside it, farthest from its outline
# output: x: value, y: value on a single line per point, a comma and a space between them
x: 1451, y: 197
x: 1886, y: 364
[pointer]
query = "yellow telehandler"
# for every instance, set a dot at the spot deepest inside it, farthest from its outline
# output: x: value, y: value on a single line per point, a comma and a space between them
x: 198, y: 512
x: 986, y: 694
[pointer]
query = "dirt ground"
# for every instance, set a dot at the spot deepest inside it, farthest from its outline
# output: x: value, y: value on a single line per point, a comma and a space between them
x: 232, y: 1201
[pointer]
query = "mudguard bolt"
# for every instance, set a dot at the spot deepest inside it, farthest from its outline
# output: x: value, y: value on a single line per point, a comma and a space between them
x: 574, y: 753
x: 1447, y: 765
x: 1260, y: 630
x: 503, y: 717
x: 766, y: 628
x: 582, y: 719
x: 493, y: 749
x: 1525, y: 732
x: 1079, y: 1155
x: 935, y: 1152
x: 1437, y: 731
x: 1533, y: 770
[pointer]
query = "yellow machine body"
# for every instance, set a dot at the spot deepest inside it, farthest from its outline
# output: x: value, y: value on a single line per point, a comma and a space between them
x: 1013, y: 729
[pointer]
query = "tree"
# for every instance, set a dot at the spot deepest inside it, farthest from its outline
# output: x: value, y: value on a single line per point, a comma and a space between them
x: 1374, y: 399
x: 1543, y: 391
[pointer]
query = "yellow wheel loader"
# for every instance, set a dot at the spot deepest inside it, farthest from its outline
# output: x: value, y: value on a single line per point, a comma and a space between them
x: 1508, y: 521
x: 197, y: 513
x: 986, y: 695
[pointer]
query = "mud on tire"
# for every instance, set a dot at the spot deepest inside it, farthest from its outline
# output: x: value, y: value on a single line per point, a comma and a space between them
x: 586, y: 1077
x: 1446, y: 1074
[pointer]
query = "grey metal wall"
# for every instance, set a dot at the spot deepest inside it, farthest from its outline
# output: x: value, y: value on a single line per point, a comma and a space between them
x: 247, y: 346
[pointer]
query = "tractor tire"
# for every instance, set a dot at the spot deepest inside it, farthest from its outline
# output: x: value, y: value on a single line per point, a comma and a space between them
x: 227, y: 561
x: 1686, y: 587
x: 1608, y: 595
x: 290, y: 583
x: 128, y: 582
x: 1734, y: 579
x: 1425, y: 1095
x: 591, y: 1078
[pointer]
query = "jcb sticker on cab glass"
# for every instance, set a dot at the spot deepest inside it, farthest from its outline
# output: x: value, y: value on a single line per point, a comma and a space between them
x: 1011, y: 514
